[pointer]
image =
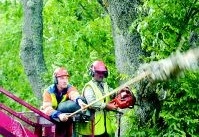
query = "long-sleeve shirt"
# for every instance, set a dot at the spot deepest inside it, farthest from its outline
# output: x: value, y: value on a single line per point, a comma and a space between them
x: 90, y: 96
x: 70, y: 92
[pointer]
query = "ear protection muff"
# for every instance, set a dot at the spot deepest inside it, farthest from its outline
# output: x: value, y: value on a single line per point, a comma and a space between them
x: 55, y: 81
x: 106, y: 73
x: 91, y: 71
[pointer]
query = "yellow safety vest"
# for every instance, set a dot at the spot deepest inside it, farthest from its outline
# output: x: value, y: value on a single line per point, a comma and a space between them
x: 54, y: 100
x: 85, y: 128
x: 51, y: 91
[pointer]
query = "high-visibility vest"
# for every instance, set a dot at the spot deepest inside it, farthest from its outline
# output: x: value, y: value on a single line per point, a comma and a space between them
x: 85, y: 128
x: 52, y: 90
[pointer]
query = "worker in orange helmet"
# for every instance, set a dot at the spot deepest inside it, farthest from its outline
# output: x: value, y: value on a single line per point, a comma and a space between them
x: 61, y: 97
x: 102, y: 125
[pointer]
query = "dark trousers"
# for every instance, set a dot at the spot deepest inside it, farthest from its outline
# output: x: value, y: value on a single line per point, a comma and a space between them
x: 68, y: 106
x: 64, y: 129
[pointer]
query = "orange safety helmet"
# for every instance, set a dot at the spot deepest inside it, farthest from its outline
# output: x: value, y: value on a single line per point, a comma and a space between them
x: 59, y: 72
x: 98, y: 66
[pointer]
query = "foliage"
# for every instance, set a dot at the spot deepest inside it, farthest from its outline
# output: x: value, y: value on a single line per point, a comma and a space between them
x: 75, y: 34
x: 12, y: 75
x: 165, y: 27
x: 78, y: 32
x: 183, y: 100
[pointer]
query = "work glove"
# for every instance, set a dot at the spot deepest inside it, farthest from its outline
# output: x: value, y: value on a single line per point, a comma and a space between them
x: 82, y: 104
x: 63, y: 117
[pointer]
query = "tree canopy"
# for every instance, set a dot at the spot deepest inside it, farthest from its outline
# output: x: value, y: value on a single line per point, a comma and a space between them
x: 77, y: 32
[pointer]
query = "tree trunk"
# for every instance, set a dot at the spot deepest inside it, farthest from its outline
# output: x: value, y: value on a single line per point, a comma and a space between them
x: 128, y: 51
x: 127, y: 44
x: 31, y: 45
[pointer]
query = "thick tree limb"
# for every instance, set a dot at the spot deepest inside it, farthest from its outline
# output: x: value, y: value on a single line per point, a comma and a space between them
x: 173, y: 65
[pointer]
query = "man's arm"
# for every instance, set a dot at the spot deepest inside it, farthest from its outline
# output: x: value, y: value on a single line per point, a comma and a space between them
x: 47, y: 106
x: 74, y: 95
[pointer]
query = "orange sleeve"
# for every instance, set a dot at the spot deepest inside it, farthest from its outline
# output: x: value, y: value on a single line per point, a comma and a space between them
x: 46, y: 97
x: 73, y: 93
x: 47, y: 104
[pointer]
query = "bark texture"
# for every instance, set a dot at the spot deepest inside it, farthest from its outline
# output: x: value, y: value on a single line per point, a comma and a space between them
x: 31, y: 51
x: 127, y: 44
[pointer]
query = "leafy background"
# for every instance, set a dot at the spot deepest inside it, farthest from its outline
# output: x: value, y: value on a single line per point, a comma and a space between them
x: 78, y: 32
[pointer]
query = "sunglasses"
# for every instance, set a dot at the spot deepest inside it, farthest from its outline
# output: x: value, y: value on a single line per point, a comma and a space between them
x: 101, y: 72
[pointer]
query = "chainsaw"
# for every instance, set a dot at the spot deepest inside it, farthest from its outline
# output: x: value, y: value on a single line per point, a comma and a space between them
x: 124, y: 99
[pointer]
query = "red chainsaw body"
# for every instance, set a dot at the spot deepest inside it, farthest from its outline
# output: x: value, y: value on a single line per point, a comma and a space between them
x: 124, y: 99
